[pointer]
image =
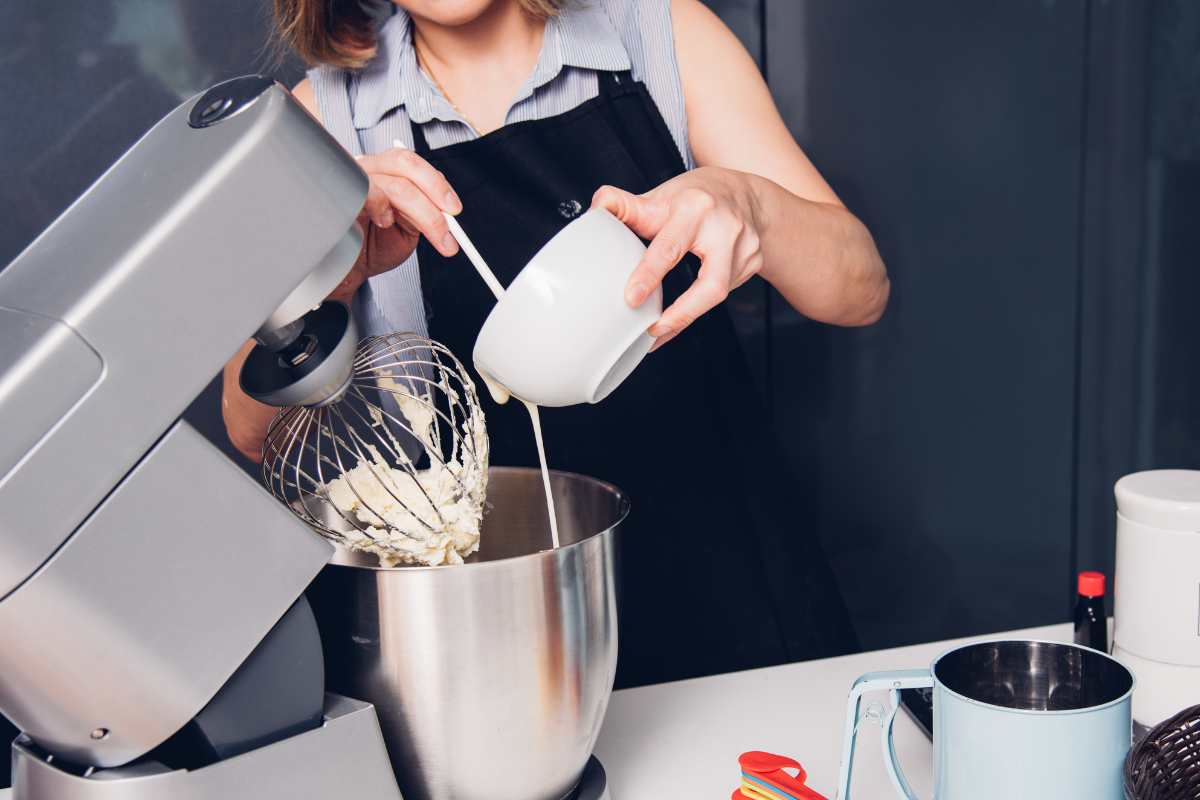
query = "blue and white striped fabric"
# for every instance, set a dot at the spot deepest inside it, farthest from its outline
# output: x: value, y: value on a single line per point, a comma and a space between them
x: 367, y: 109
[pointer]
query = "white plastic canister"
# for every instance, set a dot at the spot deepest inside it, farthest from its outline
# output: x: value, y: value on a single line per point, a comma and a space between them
x: 1157, y: 612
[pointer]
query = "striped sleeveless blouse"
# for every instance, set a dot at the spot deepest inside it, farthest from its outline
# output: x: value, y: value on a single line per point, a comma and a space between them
x: 367, y: 109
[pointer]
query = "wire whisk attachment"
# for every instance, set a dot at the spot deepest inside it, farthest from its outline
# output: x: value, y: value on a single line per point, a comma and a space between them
x: 398, y: 467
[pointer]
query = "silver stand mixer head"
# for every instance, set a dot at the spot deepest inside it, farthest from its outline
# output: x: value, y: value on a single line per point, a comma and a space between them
x: 142, y: 621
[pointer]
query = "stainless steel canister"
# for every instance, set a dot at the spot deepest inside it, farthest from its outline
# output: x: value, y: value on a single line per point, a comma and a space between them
x: 490, y: 679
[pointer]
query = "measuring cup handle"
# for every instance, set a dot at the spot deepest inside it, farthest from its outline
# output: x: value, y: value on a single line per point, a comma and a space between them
x: 890, y: 762
x: 890, y: 681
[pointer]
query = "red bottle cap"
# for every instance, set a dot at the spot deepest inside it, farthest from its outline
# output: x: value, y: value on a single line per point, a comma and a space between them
x: 1091, y: 584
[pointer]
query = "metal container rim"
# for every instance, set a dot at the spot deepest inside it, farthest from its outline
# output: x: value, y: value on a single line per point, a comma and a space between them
x: 345, y: 557
x: 1027, y: 711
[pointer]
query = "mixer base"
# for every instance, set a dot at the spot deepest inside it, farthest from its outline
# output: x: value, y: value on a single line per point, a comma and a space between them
x: 594, y: 783
x: 345, y: 757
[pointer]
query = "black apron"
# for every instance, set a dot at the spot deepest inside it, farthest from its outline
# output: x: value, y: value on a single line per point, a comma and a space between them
x: 719, y: 569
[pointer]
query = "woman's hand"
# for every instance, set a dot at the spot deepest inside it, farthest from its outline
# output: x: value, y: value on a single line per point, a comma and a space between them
x: 405, y: 202
x: 711, y: 212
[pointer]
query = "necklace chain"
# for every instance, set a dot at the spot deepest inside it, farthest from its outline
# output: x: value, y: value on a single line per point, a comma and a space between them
x: 428, y: 70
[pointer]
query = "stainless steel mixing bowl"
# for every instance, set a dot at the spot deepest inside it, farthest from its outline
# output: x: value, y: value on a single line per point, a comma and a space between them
x: 491, y: 678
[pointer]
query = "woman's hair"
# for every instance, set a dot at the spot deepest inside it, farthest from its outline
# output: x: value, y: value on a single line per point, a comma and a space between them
x: 341, y: 33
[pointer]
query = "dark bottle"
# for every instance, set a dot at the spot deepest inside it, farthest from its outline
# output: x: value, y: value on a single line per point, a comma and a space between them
x: 1091, y: 623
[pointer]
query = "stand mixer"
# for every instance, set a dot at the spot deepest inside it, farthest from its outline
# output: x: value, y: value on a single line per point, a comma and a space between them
x: 152, y: 647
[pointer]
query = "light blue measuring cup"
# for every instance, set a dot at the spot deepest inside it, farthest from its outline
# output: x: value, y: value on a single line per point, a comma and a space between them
x: 1011, y: 719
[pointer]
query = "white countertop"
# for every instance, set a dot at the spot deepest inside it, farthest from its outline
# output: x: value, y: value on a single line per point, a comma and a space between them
x: 682, y: 740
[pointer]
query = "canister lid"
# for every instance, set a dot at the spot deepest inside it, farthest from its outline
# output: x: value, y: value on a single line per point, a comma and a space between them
x: 1161, y: 498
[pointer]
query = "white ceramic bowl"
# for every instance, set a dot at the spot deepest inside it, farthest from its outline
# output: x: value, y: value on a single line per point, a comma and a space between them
x: 562, y: 333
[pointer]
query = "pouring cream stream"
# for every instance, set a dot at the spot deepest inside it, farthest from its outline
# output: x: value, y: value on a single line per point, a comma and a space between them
x: 501, y: 395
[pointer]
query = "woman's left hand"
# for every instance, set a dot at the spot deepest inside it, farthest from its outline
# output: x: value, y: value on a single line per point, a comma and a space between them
x: 710, y: 211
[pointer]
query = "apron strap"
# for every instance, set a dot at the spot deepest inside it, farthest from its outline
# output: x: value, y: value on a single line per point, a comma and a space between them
x: 614, y: 83
x: 420, y: 146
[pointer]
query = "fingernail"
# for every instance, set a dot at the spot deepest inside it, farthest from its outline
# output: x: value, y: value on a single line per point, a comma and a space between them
x: 449, y: 244
x: 635, y: 293
x: 453, y: 204
x: 389, y: 219
x: 663, y: 339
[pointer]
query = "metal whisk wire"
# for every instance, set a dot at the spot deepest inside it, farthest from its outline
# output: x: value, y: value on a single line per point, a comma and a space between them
x: 411, y: 414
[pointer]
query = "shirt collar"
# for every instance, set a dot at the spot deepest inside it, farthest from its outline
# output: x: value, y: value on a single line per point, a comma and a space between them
x: 579, y: 36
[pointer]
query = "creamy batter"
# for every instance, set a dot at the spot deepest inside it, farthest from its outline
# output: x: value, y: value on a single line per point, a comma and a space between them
x: 424, y: 517
x: 428, y: 516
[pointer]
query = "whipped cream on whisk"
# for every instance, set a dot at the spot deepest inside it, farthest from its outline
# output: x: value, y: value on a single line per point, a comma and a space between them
x: 424, y: 517
x: 429, y: 516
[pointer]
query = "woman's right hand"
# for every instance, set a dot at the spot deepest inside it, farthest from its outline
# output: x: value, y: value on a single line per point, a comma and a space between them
x: 405, y: 202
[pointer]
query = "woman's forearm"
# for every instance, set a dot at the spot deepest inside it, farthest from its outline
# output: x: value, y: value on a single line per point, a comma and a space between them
x: 820, y: 257
x: 246, y: 419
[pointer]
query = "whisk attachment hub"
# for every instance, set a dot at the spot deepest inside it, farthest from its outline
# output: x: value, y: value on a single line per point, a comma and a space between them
x: 308, y: 362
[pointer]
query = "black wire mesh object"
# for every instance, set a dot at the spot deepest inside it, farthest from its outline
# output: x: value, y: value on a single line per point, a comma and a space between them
x: 1165, y: 765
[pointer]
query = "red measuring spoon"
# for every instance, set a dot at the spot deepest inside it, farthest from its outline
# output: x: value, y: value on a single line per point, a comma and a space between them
x: 770, y: 769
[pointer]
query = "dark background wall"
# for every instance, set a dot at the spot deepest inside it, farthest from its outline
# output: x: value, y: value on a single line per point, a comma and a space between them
x: 942, y: 438
x: 1031, y: 170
